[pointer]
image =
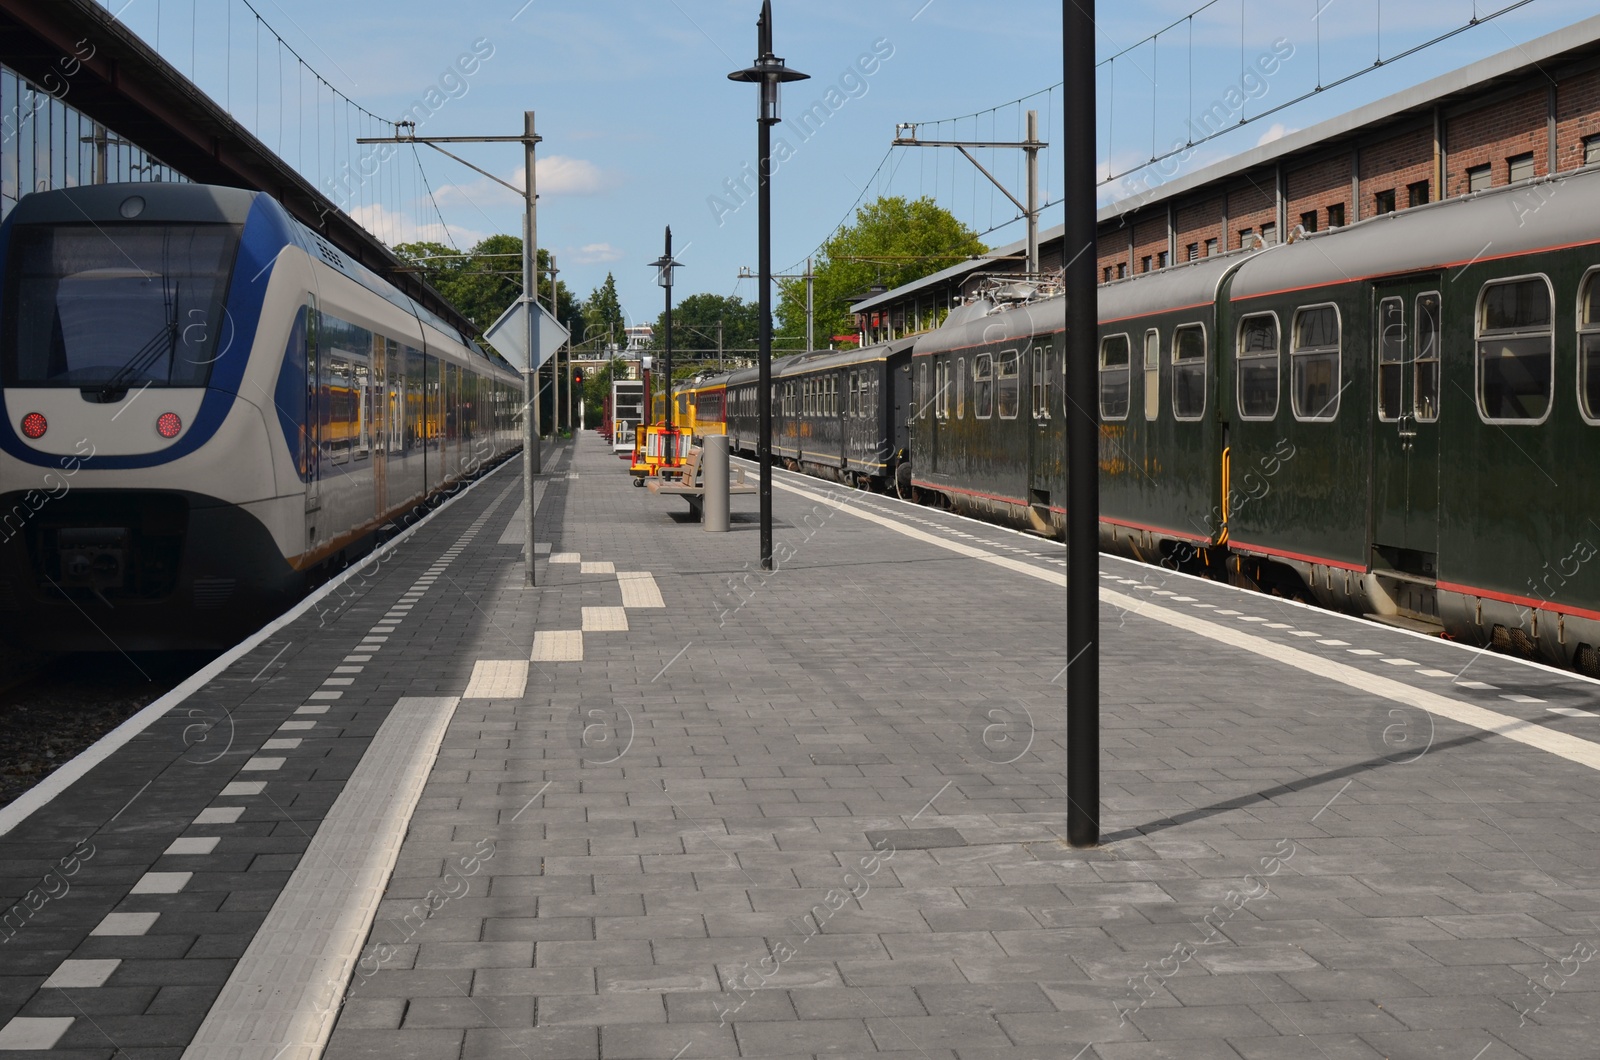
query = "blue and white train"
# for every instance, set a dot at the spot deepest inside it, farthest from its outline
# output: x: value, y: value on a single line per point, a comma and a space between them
x: 206, y: 409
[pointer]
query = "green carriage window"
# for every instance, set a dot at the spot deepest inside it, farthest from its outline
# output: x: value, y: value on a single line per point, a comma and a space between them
x: 1258, y: 367
x: 1114, y: 377
x: 983, y: 385
x: 1314, y: 364
x: 1589, y: 349
x: 1008, y: 393
x: 1189, y: 372
x: 1515, y: 350
x: 1391, y: 357
x: 1425, y: 359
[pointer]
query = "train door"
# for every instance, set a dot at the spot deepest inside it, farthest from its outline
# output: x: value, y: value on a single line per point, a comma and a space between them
x: 1405, y: 451
x: 316, y: 425
x: 377, y: 397
x: 1044, y: 455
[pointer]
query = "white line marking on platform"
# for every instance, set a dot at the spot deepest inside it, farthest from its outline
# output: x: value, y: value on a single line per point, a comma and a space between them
x: 357, y: 658
x: 126, y: 924
x: 557, y: 645
x: 497, y: 679
x: 82, y: 973
x: 244, y: 788
x: 220, y: 815
x: 26, y: 1033
x: 1572, y: 748
x: 162, y: 882
x: 1277, y: 625
x: 566, y: 557
x: 1364, y: 651
x: 1522, y: 699
x: 282, y: 743
x: 639, y: 589
x: 262, y: 765
x: 1482, y: 686
x: 296, y: 726
x: 280, y: 1001
x: 605, y: 620
x: 1335, y: 643
x: 1305, y: 633
x: 312, y: 708
x: 602, y: 566
x: 326, y: 695
x: 1571, y: 712
x: 1435, y: 673
x: 196, y: 845
x: 1401, y: 662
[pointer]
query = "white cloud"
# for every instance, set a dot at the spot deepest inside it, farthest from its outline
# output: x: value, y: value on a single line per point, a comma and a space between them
x: 595, y: 254
x: 558, y: 175
x: 393, y: 228
x: 1277, y: 132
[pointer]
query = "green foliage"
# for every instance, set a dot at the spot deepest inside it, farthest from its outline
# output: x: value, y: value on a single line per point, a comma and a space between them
x: 893, y: 242
x: 694, y: 327
x: 602, y: 313
x: 488, y: 278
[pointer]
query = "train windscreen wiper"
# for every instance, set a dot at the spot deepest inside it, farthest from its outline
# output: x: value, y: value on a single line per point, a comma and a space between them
x: 164, y: 340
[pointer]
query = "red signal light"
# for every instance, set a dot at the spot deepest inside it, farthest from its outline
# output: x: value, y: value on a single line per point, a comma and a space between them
x: 169, y: 425
x: 34, y: 425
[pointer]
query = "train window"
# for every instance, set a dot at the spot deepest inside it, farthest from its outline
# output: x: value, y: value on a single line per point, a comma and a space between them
x: 1425, y: 359
x: 961, y: 387
x: 1515, y: 350
x: 1257, y: 358
x: 1039, y: 379
x: 1189, y: 372
x: 833, y: 394
x: 983, y: 385
x: 1114, y: 377
x: 1008, y: 385
x: 1314, y: 363
x: 1152, y: 374
x: 1589, y: 348
x: 1391, y: 357
x: 941, y: 397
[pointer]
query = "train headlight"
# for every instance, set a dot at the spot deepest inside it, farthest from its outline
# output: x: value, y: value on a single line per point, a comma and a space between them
x: 169, y: 425
x: 34, y: 425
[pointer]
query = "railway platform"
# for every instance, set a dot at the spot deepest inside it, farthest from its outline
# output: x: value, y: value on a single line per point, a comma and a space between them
x: 665, y: 805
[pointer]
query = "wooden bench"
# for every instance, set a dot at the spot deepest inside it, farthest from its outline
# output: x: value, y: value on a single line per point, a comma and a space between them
x: 688, y: 482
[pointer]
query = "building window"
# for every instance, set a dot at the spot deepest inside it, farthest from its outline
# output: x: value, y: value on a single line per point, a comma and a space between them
x: 1308, y: 221
x: 1515, y: 348
x: 1189, y: 372
x: 1161, y: 260
x: 1417, y: 194
x: 1192, y: 252
x: 1591, y: 149
x: 1257, y: 357
x: 1114, y: 377
x: 1336, y: 215
x: 1383, y: 202
x: 1269, y: 233
x: 1211, y: 247
x: 1520, y: 167
x: 1107, y: 276
x: 1314, y: 364
x: 1244, y: 237
x: 1122, y: 270
x: 1144, y: 263
x: 1479, y: 178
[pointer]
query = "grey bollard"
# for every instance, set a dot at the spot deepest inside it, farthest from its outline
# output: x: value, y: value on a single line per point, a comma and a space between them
x: 714, y: 473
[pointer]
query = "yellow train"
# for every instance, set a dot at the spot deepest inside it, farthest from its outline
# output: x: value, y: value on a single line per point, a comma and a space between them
x: 700, y: 409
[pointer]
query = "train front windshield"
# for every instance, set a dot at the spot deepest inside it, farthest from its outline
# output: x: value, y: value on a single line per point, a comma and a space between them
x: 117, y: 306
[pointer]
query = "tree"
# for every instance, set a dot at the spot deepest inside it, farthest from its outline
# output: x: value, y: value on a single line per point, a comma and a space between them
x: 694, y: 327
x: 482, y: 282
x: 602, y: 313
x: 893, y: 242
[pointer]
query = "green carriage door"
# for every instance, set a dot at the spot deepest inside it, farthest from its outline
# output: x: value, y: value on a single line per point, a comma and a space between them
x: 1405, y: 451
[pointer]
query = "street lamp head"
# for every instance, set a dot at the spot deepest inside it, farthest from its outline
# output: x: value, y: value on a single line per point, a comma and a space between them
x: 769, y: 71
x: 664, y: 266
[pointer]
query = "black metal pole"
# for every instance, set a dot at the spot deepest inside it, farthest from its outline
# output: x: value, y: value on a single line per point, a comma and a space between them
x: 668, y: 268
x: 1083, y: 431
x: 764, y: 346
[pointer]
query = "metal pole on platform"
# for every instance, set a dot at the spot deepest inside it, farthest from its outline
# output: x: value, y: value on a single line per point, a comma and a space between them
x: 531, y: 463
x: 768, y: 73
x: 1083, y: 430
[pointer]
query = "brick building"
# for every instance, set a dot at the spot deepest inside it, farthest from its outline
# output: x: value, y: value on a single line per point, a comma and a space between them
x: 1524, y: 113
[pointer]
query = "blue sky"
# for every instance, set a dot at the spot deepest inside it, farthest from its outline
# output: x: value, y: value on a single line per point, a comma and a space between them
x: 642, y: 128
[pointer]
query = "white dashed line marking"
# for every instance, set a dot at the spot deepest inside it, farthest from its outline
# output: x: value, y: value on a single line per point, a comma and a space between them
x: 1480, y: 685
x: 82, y: 973
x: 126, y: 924
x: 1571, y: 712
x: 1435, y: 673
x: 193, y: 845
x: 1334, y: 643
x: 244, y: 788
x: 1364, y: 651
x: 220, y: 815
x: 1521, y: 699
x: 1401, y: 662
x: 162, y: 882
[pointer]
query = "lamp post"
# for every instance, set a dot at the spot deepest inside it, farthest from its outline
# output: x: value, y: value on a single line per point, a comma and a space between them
x: 768, y: 73
x: 664, y: 266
